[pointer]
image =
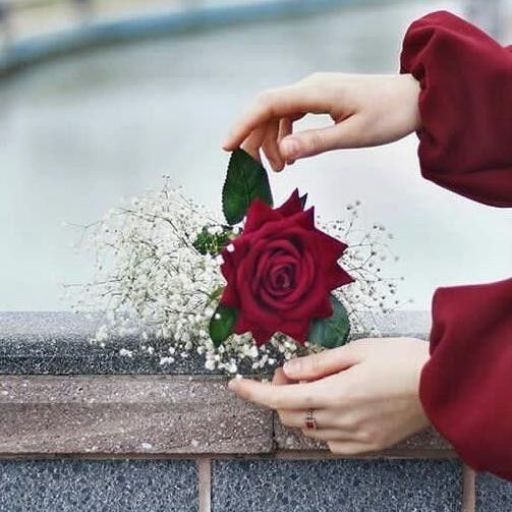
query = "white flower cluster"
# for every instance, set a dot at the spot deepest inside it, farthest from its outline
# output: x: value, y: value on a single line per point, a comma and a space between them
x: 372, y: 293
x: 152, y: 282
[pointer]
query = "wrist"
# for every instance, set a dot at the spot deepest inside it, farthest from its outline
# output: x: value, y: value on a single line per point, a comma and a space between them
x: 413, y: 90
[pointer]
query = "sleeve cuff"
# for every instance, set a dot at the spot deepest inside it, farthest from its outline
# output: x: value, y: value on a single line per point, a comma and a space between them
x: 466, y: 386
x: 465, y: 106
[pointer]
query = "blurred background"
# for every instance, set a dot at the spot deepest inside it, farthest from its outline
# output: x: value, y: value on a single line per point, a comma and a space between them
x: 99, y: 99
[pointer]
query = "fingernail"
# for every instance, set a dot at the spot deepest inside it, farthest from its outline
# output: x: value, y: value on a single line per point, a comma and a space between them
x: 272, y: 164
x: 290, y: 148
x: 232, y: 384
x: 276, y: 165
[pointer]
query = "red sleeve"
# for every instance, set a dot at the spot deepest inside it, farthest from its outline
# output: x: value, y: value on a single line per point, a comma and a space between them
x: 466, y: 387
x: 465, y: 106
x: 466, y: 146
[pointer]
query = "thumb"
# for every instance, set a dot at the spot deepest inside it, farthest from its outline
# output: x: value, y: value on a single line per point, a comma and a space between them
x: 322, y: 364
x: 345, y: 134
x: 280, y: 378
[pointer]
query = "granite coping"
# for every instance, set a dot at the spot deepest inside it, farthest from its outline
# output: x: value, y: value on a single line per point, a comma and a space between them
x: 60, y: 394
x: 59, y: 343
x: 125, y: 415
x: 155, y: 416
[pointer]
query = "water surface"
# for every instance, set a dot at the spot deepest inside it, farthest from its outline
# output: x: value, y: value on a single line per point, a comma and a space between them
x: 78, y: 134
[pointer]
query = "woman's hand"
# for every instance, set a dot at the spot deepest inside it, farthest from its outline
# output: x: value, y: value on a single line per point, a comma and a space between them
x: 364, y: 395
x: 367, y: 110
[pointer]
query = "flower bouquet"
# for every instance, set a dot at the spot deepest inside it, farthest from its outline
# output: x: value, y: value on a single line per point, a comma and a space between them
x: 262, y: 284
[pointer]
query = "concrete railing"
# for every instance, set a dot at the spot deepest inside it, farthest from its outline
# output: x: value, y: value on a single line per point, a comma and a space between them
x: 77, y: 419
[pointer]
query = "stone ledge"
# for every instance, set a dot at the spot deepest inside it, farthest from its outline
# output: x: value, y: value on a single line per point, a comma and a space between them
x: 58, y: 343
x: 128, y: 415
x: 154, y: 416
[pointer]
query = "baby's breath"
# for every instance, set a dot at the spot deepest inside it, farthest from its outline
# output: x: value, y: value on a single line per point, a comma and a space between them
x: 153, y: 279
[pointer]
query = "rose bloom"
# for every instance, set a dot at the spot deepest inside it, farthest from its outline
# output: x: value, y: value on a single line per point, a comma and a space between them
x: 280, y: 271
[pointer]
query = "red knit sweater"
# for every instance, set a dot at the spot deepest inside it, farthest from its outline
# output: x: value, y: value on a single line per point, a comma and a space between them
x: 466, y: 146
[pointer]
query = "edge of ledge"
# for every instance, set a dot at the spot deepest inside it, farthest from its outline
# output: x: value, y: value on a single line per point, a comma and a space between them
x: 155, y: 417
x: 58, y: 343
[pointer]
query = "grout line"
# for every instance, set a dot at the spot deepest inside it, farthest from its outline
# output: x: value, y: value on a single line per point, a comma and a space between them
x: 468, y: 490
x: 278, y: 453
x: 204, y: 480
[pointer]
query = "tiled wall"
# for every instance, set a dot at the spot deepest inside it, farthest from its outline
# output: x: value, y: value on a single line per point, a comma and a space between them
x: 126, y: 409
x: 239, y: 485
x: 493, y: 494
x: 97, y: 486
x: 336, y: 485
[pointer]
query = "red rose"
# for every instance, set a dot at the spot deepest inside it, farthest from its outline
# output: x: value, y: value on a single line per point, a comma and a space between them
x: 280, y: 271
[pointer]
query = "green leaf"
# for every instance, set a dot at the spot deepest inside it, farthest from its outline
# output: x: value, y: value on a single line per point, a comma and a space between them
x: 246, y: 180
x: 333, y: 331
x: 213, y: 244
x: 216, y: 294
x: 222, y: 324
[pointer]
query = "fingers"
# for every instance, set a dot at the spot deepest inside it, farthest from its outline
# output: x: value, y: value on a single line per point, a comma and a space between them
x: 266, y: 137
x: 291, y: 396
x: 349, y: 447
x: 280, y: 378
x: 322, y: 364
x: 326, y: 419
x: 275, y: 104
x: 285, y: 128
x: 345, y: 134
x: 253, y: 143
x: 330, y: 434
x: 270, y: 147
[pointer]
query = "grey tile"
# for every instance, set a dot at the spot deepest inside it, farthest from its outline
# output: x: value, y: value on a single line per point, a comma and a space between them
x: 493, y: 494
x: 94, y: 486
x: 58, y: 343
x: 336, y: 485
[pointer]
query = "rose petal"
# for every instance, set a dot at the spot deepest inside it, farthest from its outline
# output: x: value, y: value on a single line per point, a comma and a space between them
x: 263, y: 251
x: 298, y: 330
x: 259, y: 213
x: 259, y: 334
x: 281, y: 276
x: 291, y: 206
x: 278, y: 247
x: 230, y: 296
x: 304, y: 280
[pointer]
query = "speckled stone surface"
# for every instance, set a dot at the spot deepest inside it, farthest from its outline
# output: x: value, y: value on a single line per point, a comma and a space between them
x: 340, y: 485
x: 59, y: 344
x: 189, y: 411
x: 98, y: 486
x: 151, y: 414
x: 493, y: 494
x: 126, y: 415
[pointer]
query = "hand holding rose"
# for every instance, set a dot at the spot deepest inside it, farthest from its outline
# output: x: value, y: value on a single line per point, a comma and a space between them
x: 364, y: 394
